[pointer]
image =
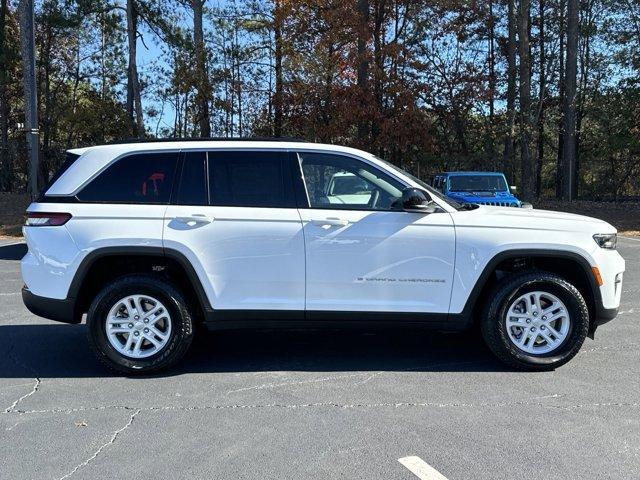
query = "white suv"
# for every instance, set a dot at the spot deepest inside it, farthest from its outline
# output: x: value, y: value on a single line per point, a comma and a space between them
x: 150, y: 239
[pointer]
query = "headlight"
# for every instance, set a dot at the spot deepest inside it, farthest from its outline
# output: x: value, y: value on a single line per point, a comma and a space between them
x: 606, y: 240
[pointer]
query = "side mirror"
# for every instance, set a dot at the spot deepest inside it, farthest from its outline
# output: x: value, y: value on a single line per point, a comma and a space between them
x: 415, y: 200
x: 513, y: 189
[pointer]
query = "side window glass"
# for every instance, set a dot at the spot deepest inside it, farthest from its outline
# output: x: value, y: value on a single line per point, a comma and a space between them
x: 193, y: 181
x: 250, y: 179
x: 140, y: 178
x: 336, y: 181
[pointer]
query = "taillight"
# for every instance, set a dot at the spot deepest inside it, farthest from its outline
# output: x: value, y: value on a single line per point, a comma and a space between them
x: 46, y: 219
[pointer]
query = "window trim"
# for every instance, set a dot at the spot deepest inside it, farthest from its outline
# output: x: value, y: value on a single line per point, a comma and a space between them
x: 308, y: 206
x: 297, y: 176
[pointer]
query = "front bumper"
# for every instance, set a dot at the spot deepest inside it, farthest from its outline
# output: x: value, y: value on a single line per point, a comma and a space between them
x: 607, y: 299
x: 51, y: 308
x: 604, y: 315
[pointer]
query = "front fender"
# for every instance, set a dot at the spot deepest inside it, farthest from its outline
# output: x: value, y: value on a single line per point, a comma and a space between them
x: 473, y: 270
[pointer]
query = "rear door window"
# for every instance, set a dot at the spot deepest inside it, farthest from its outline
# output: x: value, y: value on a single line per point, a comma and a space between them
x: 250, y: 179
x: 193, y: 180
x: 145, y: 178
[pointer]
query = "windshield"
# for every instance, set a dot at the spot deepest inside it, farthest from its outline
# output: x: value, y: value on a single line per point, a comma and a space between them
x: 432, y: 191
x: 477, y: 183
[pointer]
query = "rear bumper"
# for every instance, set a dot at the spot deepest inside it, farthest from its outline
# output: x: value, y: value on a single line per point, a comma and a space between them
x: 51, y: 308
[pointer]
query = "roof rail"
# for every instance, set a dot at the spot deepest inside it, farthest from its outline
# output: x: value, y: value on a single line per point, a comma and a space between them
x: 208, y: 139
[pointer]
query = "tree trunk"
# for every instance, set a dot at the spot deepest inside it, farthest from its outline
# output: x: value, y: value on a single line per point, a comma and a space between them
x: 44, y: 82
x: 134, y: 101
x: 526, y: 120
x: 5, y: 160
x: 279, y: 88
x: 363, y: 68
x: 508, y: 159
x: 202, y: 76
x: 492, y: 61
x: 585, y: 65
x: 569, y: 144
x: 492, y: 87
x: 541, y: 97
x: 27, y: 50
x: 378, y: 59
x: 561, y: 95
x: 278, y: 21
x: 103, y: 74
x: 239, y: 80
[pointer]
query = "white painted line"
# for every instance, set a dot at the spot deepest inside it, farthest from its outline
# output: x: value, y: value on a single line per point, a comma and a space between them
x: 421, y: 469
x: 629, y: 238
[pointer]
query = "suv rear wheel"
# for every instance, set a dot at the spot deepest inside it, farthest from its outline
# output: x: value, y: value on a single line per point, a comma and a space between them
x: 535, y: 321
x: 139, y: 324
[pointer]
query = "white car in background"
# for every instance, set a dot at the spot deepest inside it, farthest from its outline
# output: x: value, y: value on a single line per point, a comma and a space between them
x: 149, y: 239
x: 347, y: 188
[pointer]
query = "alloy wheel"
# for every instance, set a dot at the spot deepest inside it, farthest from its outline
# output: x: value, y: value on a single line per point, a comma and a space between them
x: 138, y: 326
x: 537, y: 322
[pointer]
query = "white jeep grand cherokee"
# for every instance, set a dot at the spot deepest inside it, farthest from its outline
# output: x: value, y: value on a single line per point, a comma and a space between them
x: 150, y: 239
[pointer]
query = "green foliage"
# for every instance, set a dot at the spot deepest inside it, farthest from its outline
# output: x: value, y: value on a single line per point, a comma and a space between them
x: 431, y: 97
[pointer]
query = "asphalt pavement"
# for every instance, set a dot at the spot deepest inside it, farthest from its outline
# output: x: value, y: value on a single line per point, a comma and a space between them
x: 325, y: 405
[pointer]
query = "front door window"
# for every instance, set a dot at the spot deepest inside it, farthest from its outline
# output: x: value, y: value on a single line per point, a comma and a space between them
x: 340, y: 182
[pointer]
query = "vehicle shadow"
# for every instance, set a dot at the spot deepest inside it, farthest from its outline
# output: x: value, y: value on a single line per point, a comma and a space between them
x: 13, y: 252
x: 58, y: 350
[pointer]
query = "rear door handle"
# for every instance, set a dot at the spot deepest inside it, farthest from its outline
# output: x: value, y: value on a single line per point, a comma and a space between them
x: 195, y: 218
x: 331, y: 221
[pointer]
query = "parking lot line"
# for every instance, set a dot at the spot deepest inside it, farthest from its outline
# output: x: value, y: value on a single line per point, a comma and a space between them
x: 630, y: 238
x: 421, y: 469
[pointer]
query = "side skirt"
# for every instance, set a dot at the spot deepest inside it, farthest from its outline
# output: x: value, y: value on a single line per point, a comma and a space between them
x: 298, y: 319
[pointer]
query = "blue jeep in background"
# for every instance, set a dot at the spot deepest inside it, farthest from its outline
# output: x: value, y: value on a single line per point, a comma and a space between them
x: 484, y: 188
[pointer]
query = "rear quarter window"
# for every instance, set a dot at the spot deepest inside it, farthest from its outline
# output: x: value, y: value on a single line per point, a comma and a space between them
x: 144, y: 178
x: 69, y: 160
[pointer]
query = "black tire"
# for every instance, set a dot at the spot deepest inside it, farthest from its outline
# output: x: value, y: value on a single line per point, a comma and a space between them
x: 494, y: 329
x: 181, y: 324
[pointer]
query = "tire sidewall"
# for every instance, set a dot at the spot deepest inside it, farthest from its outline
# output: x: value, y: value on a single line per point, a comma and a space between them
x: 576, y: 308
x: 181, y: 325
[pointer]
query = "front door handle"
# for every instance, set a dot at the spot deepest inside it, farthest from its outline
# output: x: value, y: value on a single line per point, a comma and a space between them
x: 194, y: 219
x: 331, y: 221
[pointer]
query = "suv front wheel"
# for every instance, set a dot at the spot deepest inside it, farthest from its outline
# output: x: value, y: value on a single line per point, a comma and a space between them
x: 139, y: 324
x: 535, y: 321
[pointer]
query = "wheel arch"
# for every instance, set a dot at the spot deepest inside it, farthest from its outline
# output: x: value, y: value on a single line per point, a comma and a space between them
x: 108, y: 263
x: 570, y: 265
